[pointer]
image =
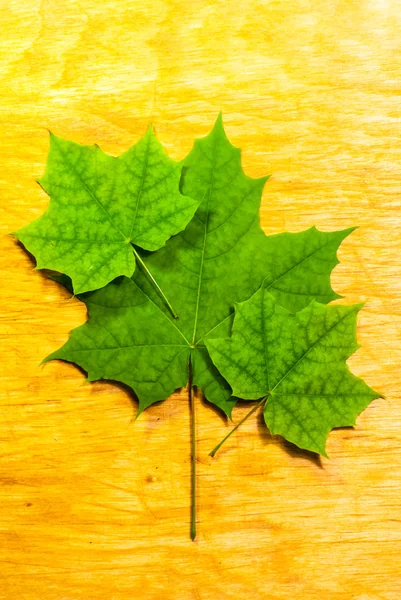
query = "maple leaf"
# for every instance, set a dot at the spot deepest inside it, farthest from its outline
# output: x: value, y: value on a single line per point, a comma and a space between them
x: 221, y: 258
x: 101, y: 207
x: 296, y: 364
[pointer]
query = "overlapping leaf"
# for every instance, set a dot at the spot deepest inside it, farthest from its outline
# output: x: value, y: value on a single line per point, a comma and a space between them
x: 100, y: 205
x: 298, y: 362
x: 221, y: 258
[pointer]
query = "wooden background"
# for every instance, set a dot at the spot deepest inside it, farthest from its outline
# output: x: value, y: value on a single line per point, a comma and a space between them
x: 94, y: 506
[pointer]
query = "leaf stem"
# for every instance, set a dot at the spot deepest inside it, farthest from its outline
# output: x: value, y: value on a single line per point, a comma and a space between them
x: 255, y: 408
x: 193, y: 450
x: 154, y: 282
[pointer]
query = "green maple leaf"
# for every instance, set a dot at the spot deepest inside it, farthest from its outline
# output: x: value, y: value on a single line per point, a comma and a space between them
x: 221, y: 258
x: 296, y: 364
x: 101, y: 206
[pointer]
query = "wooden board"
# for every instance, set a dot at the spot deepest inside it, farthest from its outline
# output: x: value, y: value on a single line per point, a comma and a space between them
x: 94, y: 506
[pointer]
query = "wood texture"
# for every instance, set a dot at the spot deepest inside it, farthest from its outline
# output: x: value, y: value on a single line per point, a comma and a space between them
x: 94, y: 506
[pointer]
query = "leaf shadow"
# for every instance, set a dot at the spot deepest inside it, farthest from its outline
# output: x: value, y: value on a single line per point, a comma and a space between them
x: 215, y: 409
x: 129, y: 392
x: 46, y: 274
x: 26, y: 252
x: 292, y: 450
x: 109, y: 382
x: 182, y: 178
x: 133, y: 398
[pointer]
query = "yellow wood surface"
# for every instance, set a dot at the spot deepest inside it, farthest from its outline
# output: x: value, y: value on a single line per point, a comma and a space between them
x: 95, y: 506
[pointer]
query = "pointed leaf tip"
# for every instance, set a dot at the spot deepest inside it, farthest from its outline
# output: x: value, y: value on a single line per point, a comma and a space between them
x: 138, y: 413
x: 346, y: 232
x: 47, y: 359
x: 219, y: 125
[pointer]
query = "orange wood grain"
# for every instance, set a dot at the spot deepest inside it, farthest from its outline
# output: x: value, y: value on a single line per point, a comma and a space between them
x: 94, y: 506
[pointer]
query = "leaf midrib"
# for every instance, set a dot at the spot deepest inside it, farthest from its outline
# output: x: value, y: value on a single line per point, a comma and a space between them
x: 204, y: 242
x: 143, y: 177
x: 104, y: 349
x: 264, y: 337
x: 301, y: 358
x: 78, y: 240
x: 297, y: 265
